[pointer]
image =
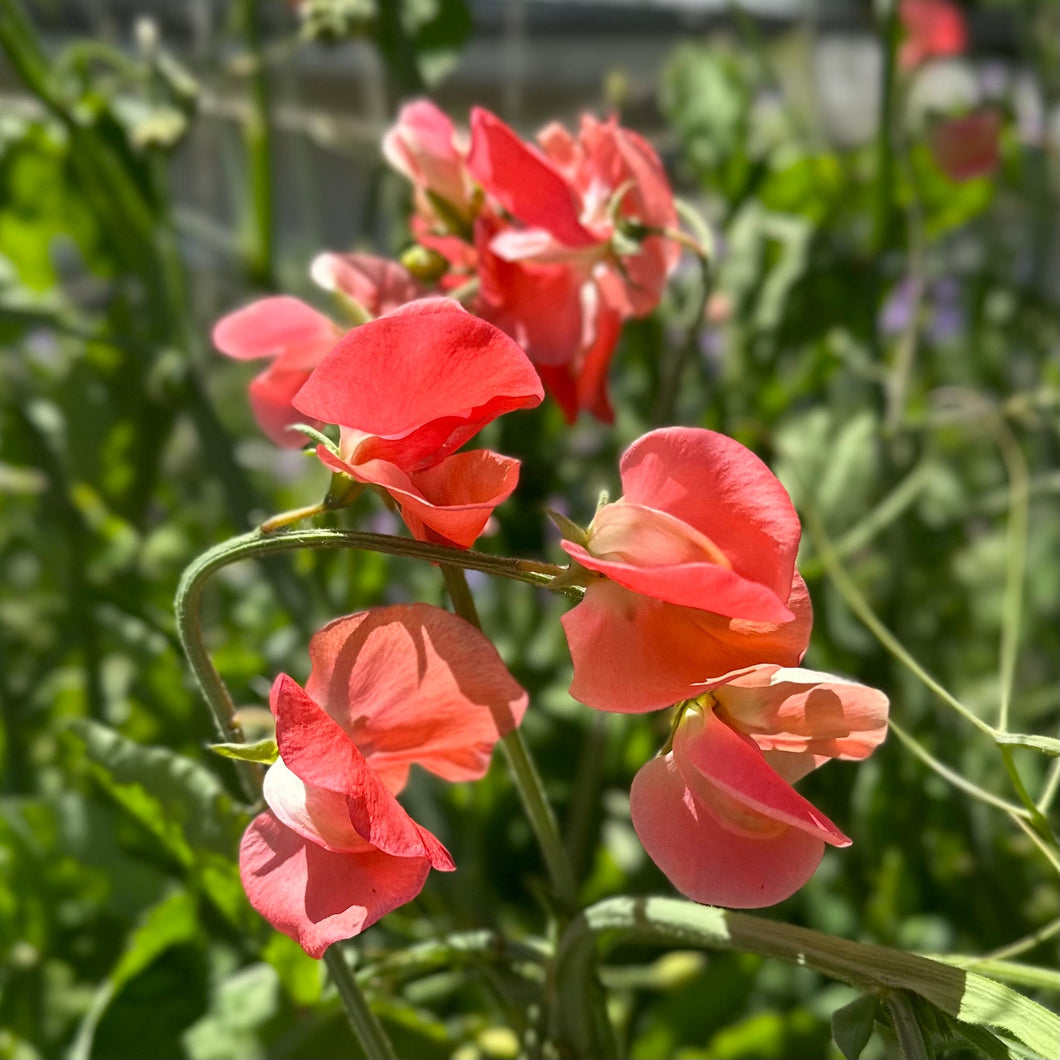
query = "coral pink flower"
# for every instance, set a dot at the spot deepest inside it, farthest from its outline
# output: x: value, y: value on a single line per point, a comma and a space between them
x: 295, y: 337
x: 589, y: 210
x: 389, y: 688
x: 933, y: 28
x: 407, y: 390
x: 717, y: 812
x: 694, y: 574
x: 967, y: 147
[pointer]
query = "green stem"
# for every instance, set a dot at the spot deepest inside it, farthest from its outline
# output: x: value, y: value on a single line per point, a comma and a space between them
x: 883, y: 212
x: 524, y: 773
x: 369, y: 1031
x: 962, y: 994
x: 900, y: 1007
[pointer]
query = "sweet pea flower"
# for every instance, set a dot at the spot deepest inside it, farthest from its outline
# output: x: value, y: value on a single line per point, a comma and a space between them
x: 717, y: 812
x: 294, y: 336
x: 591, y: 211
x: 407, y: 390
x: 968, y: 146
x: 389, y: 688
x: 690, y: 574
x: 933, y: 29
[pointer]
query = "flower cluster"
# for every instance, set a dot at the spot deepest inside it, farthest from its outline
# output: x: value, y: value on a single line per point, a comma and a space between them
x: 389, y: 688
x: 693, y: 598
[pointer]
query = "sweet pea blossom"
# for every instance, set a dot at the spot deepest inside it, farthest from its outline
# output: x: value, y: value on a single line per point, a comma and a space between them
x: 690, y: 575
x: 389, y: 688
x: 407, y: 390
x: 968, y: 146
x: 717, y: 812
x: 294, y: 336
x: 573, y: 223
x: 933, y: 29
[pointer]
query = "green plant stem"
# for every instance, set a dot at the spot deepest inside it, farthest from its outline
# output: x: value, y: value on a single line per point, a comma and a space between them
x: 1028, y: 942
x: 369, y: 1031
x: 523, y: 771
x: 860, y: 606
x: 961, y: 994
x: 900, y: 1008
x: 883, y: 206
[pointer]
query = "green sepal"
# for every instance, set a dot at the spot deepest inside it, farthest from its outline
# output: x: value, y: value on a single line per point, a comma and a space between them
x: 342, y: 491
x: 852, y: 1025
x: 264, y: 752
x: 570, y: 530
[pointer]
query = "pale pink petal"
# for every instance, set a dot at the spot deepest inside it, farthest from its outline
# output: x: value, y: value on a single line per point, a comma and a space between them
x: 653, y: 553
x: 414, y: 683
x: 422, y: 145
x: 378, y: 285
x: 423, y: 379
x: 704, y: 860
x: 316, y: 814
x: 277, y: 327
x: 316, y: 749
x: 724, y: 491
x: 633, y: 653
x: 803, y: 711
x: 318, y: 897
x: 726, y: 772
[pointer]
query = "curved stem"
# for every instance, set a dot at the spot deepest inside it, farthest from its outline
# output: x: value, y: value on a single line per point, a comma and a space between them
x: 524, y: 773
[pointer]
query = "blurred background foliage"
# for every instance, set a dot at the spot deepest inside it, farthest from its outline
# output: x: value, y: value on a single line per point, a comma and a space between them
x: 883, y: 335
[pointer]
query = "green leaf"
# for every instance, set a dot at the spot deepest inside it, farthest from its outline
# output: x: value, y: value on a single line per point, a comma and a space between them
x: 852, y: 1025
x: 182, y: 804
x: 1050, y: 745
x: 264, y: 752
x: 172, y: 921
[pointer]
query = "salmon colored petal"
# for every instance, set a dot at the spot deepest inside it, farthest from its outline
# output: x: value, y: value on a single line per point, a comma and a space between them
x: 376, y: 284
x: 633, y: 653
x: 316, y: 749
x: 424, y: 379
x: 271, y: 394
x: 706, y: 861
x: 805, y: 712
x: 727, y: 773
x: 449, y: 503
x: 316, y: 814
x: 422, y: 146
x: 523, y: 181
x: 724, y: 491
x: 415, y: 684
x: 512, y: 293
x: 968, y: 146
x: 318, y: 897
x: 276, y: 327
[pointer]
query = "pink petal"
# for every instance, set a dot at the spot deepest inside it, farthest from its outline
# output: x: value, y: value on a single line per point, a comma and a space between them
x: 378, y: 285
x: 423, y: 379
x: 523, y: 181
x: 422, y: 146
x: 727, y: 773
x: 653, y: 553
x: 724, y: 491
x: 449, y: 503
x: 633, y: 653
x: 704, y: 860
x: 968, y: 146
x: 805, y: 712
x: 277, y: 327
x: 316, y: 749
x: 318, y: 897
x: 270, y: 394
x: 414, y: 683
x: 316, y: 814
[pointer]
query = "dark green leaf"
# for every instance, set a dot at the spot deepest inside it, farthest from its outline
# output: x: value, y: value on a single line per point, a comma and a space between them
x: 852, y: 1025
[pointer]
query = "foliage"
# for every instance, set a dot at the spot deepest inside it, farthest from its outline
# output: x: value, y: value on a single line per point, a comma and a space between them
x: 883, y: 337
